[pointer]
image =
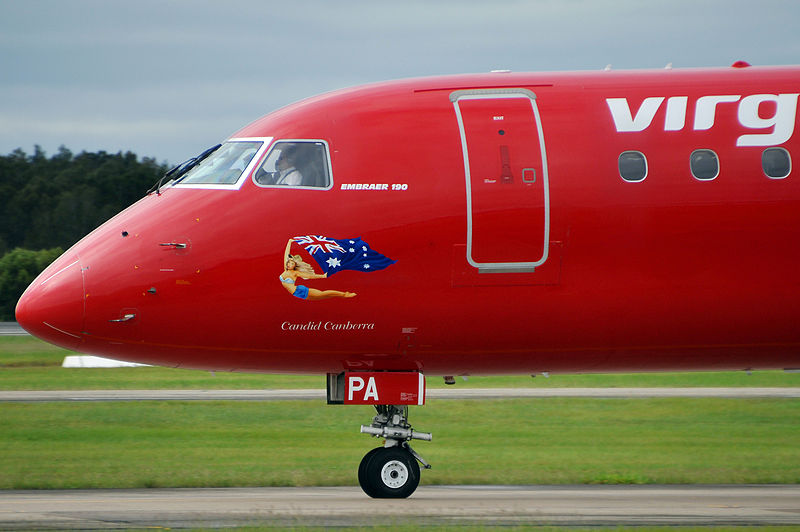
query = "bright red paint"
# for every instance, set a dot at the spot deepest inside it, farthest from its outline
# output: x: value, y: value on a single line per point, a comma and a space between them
x: 670, y: 273
x: 383, y: 387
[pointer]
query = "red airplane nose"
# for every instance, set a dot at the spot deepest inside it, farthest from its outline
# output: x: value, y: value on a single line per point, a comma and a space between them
x: 52, y: 308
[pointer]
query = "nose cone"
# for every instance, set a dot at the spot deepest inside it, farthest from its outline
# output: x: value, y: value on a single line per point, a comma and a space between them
x: 52, y: 308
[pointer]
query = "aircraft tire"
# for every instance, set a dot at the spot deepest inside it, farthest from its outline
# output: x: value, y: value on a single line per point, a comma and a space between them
x: 389, y: 473
x: 362, y: 472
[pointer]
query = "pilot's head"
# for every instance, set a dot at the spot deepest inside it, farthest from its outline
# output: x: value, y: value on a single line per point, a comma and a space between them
x: 287, y: 158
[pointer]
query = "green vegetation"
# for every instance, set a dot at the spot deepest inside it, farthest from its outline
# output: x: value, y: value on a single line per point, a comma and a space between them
x: 307, y: 443
x: 499, y: 528
x: 480, y: 528
x: 49, y: 203
x: 17, y: 269
x: 36, y: 365
x: 536, y: 441
x: 395, y: 527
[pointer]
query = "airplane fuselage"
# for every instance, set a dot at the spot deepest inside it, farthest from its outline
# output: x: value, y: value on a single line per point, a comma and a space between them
x: 517, y: 245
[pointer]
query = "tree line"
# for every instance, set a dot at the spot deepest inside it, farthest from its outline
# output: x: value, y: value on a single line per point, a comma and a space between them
x: 49, y: 203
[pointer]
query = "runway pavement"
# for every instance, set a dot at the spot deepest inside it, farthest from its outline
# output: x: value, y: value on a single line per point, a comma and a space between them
x: 12, y: 328
x: 432, y: 394
x: 348, y: 506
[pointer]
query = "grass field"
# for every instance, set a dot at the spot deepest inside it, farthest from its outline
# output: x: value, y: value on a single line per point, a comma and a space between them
x: 394, y: 527
x: 537, y: 441
x: 499, y: 528
x: 521, y: 528
x: 307, y: 443
x: 478, y: 528
x: 36, y: 365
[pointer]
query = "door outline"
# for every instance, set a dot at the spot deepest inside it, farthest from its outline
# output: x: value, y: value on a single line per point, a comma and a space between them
x: 493, y: 94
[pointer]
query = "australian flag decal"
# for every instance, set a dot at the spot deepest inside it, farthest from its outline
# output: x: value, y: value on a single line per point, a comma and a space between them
x: 334, y: 255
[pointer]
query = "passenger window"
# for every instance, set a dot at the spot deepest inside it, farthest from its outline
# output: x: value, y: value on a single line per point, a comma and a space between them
x: 704, y: 165
x: 296, y: 163
x: 776, y: 163
x: 632, y: 166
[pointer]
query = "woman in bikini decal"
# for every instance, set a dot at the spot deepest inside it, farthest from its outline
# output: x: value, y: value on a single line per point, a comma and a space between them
x: 294, y: 267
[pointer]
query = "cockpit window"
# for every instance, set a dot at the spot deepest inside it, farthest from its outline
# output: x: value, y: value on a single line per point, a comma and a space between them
x: 296, y: 163
x: 224, y: 166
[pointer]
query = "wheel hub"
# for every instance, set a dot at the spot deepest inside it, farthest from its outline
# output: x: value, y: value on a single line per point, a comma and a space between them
x: 394, y: 474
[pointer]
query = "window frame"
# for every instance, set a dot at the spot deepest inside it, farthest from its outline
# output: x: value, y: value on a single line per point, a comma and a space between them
x: 691, y: 169
x: 265, y: 143
x: 788, y: 155
x: 265, y: 155
x: 646, y: 167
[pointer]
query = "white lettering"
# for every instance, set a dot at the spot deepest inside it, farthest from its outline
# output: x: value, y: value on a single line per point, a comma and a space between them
x: 706, y: 109
x: 327, y: 326
x: 308, y: 326
x: 373, y: 186
x: 331, y: 326
x: 625, y: 122
x: 676, y: 113
x: 356, y: 384
x: 372, y: 391
x: 783, y: 120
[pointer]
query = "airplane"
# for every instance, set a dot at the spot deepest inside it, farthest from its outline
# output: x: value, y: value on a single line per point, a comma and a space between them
x: 496, y: 223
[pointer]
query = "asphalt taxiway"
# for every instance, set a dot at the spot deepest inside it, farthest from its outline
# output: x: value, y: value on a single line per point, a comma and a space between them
x: 348, y: 506
x: 12, y: 328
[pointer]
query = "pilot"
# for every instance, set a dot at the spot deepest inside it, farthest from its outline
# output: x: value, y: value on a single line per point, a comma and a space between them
x: 286, y: 173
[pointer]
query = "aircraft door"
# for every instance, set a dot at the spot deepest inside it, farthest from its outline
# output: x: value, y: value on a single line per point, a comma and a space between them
x: 508, y: 206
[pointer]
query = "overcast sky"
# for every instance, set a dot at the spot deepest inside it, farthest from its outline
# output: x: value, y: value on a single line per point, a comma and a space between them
x: 166, y: 79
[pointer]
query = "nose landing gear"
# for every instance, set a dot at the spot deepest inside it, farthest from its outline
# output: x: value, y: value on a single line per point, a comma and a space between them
x: 388, y: 473
x: 391, y: 471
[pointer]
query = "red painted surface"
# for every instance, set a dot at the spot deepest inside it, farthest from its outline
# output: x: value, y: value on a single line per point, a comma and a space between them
x: 670, y: 273
x: 384, y: 388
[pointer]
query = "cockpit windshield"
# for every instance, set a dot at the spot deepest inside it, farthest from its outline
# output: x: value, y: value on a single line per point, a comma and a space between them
x: 223, y: 166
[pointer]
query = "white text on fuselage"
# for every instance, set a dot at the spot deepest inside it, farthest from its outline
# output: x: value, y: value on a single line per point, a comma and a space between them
x: 326, y: 326
x: 375, y: 186
x: 781, y: 123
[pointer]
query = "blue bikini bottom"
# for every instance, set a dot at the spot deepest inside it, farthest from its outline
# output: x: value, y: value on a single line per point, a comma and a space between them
x: 301, y: 291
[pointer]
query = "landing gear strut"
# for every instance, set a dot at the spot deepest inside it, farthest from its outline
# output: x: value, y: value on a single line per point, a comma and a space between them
x: 391, y: 471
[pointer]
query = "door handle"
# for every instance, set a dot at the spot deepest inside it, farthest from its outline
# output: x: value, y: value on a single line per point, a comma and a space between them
x: 126, y: 317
